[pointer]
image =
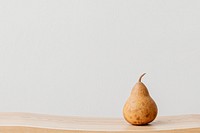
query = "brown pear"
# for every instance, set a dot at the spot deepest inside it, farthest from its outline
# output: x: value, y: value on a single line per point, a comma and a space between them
x: 140, y: 108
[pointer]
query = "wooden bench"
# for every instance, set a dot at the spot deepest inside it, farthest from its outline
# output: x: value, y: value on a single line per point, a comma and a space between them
x: 41, y: 123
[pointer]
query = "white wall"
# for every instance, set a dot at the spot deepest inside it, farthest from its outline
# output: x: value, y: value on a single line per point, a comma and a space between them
x: 71, y: 57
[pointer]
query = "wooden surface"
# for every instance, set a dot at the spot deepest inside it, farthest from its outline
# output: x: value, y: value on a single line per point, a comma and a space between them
x: 39, y: 123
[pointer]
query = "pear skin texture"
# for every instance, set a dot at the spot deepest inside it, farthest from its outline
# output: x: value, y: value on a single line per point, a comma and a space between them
x: 140, y: 108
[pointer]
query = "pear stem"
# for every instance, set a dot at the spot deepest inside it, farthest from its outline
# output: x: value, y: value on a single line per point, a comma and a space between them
x: 141, y: 77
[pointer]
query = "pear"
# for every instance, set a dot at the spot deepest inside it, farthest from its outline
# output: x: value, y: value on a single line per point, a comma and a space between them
x: 140, y: 108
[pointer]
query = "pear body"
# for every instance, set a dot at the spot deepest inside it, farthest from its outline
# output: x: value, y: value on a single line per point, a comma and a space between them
x: 140, y: 108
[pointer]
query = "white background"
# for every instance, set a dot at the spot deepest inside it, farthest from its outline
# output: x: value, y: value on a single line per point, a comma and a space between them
x: 82, y: 57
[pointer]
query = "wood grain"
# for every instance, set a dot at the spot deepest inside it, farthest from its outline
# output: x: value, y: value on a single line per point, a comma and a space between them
x: 41, y: 123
